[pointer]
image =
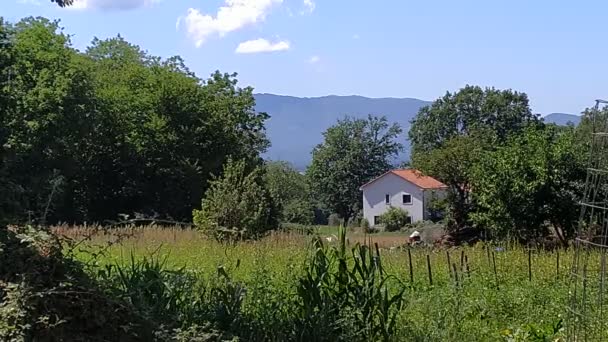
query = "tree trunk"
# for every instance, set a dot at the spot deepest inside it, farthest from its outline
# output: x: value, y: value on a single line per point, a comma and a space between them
x: 560, y: 235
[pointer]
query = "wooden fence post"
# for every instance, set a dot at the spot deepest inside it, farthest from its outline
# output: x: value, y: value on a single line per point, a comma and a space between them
x: 447, y: 253
x: 409, y: 256
x: 495, y: 272
x: 428, y: 265
x: 529, y: 265
x: 557, y: 264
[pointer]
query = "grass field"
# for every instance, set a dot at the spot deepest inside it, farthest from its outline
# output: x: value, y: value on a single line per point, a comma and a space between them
x: 485, y: 293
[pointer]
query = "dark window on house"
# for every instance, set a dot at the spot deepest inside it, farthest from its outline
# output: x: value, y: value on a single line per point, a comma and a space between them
x: 376, y: 220
x: 407, y: 199
x: 408, y: 220
x: 387, y: 199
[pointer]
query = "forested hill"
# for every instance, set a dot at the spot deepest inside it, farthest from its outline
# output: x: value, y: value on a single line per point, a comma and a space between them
x: 297, y: 124
x: 563, y: 119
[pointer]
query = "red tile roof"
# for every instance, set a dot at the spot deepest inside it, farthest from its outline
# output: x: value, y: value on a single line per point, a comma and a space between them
x: 415, y: 177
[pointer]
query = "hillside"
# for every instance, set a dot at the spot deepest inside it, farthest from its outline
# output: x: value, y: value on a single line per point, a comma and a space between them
x: 296, y: 124
x: 562, y: 119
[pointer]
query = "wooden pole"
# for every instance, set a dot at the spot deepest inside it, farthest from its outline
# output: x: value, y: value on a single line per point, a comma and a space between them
x: 529, y: 265
x: 495, y: 272
x: 428, y: 265
x: 461, y: 261
x: 557, y: 264
x: 455, y: 273
x: 409, y: 256
x: 488, y: 253
x: 447, y: 253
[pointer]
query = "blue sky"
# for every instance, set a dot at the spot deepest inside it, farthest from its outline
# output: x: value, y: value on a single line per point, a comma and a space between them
x: 386, y: 48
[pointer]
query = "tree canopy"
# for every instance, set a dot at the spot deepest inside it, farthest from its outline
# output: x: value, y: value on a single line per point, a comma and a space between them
x: 354, y: 151
x: 113, y: 130
x: 531, y: 183
x: 290, y: 191
x: 448, y: 136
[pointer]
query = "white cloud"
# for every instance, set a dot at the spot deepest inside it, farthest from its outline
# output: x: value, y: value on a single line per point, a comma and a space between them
x: 262, y: 45
x: 314, y: 59
x: 234, y: 15
x: 310, y: 6
x: 111, y: 4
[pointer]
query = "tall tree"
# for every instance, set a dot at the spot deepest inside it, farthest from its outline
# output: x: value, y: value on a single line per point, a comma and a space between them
x: 446, y: 137
x: 113, y: 130
x: 354, y: 152
x: 290, y: 191
x: 531, y: 183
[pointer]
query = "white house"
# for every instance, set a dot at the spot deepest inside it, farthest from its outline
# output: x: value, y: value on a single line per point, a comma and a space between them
x: 407, y: 189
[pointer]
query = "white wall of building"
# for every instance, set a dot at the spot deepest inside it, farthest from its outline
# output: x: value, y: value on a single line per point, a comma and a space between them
x: 374, y: 197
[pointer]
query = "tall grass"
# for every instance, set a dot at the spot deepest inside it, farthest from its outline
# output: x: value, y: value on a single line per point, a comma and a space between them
x: 304, y: 287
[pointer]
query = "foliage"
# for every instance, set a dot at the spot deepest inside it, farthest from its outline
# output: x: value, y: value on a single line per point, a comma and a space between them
x: 354, y: 152
x: 270, y: 270
x: 237, y: 205
x: 437, y: 206
x: 365, y: 224
x: 447, y: 137
x: 394, y: 219
x: 532, y: 180
x: 334, y: 220
x: 46, y: 297
x: 124, y: 131
x: 290, y: 191
x: 341, y: 302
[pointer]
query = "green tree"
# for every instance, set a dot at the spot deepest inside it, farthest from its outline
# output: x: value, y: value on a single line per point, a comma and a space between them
x: 448, y: 135
x: 290, y: 191
x: 113, y: 130
x: 354, y: 152
x: 529, y: 184
x: 237, y: 205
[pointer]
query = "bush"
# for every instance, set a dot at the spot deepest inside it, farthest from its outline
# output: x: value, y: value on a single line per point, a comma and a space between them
x: 45, y: 296
x: 394, y: 219
x: 237, y: 205
x: 334, y: 220
x: 365, y: 224
x: 298, y: 211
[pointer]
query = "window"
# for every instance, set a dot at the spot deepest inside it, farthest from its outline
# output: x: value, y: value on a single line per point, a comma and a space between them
x: 407, y: 199
x: 376, y: 220
x: 387, y: 199
x: 408, y: 220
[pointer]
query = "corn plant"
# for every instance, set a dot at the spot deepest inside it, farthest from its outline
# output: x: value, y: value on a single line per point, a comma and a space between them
x: 345, y: 296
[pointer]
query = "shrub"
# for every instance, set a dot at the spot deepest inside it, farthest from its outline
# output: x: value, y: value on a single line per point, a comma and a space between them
x: 394, y: 219
x: 365, y: 224
x: 298, y: 211
x: 237, y: 205
x: 334, y: 220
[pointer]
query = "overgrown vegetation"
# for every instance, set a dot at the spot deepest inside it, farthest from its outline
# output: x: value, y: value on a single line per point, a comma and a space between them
x: 394, y: 219
x: 272, y: 289
x: 112, y: 130
x: 237, y: 205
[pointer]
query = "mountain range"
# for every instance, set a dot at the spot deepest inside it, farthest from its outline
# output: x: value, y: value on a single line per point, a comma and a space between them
x: 296, y: 124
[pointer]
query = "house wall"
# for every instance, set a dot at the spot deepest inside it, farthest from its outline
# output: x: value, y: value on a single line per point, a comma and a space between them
x: 395, y: 186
